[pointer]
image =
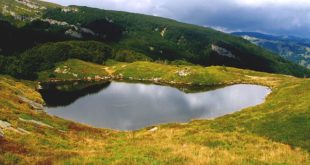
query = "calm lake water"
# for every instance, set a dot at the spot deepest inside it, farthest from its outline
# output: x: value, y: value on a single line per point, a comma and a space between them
x: 131, y: 106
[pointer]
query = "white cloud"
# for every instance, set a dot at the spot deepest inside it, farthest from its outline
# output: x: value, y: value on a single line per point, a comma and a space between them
x: 287, y: 17
x: 261, y: 3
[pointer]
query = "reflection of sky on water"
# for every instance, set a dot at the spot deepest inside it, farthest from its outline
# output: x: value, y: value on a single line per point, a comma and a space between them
x: 126, y: 106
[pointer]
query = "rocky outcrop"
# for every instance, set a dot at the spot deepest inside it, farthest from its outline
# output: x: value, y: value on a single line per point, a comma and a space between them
x: 153, y: 129
x: 163, y: 32
x: 33, y: 104
x: 7, y: 126
x: 39, y: 123
x: 183, y: 73
x: 88, y: 31
x: 1, y: 133
x: 30, y: 4
x: 73, y: 33
x: 4, y: 124
x: 222, y: 51
x: 69, y: 9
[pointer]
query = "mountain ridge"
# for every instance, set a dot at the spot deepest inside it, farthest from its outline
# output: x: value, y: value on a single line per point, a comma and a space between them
x: 156, y: 37
x: 292, y: 48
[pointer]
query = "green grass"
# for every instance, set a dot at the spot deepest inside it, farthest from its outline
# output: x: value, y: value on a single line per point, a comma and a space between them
x: 11, y: 9
x: 275, y: 132
x: 79, y: 68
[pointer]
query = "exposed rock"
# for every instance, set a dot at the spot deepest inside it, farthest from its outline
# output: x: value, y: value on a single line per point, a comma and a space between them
x: 55, y: 22
x: 75, y: 75
x: 156, y: 79
x: 4, y: 124
x: 7, y: 126
x: 222, y: 51
x: 69, y: 9
x: 183, y: 73
x: 33, y: 104
x: 39, y: 86
x: 109, y: 20
x: 181, y: 40
x: 18, y: 130
x: 153, y: 129
x: 57, y: 70
x: 88, y: 31
x: 98, y: 77
x: 73, y: 33
x: 30, y: 4
x: 163, y: 32
x: 1, y: 133
x: 36, y: 122
x: 23, y: 131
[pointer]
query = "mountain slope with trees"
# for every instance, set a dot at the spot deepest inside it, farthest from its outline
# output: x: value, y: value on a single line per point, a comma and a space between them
x: 294, y: 49
x: 153, y: 37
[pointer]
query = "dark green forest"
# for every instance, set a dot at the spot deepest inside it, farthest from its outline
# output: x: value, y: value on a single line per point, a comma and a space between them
x: 96, y: 35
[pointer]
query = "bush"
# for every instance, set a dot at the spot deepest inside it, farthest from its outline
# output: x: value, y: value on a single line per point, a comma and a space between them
x: 180, y: 62
x: 130, y: 56
x: 45, y: 57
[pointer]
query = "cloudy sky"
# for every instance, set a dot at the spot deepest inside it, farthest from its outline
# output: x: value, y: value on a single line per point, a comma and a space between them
x: 287, y: 17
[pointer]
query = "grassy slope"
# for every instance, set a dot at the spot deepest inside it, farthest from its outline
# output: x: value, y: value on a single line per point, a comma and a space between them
x: 158, y: 38
x: 11, y: 9
x: 263, y: 134
x: 80, y: 68
x: 166, y: 39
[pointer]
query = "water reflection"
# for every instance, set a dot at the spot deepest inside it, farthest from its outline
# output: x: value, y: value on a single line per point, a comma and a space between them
x: 65, y: 93
x: 127, y: 106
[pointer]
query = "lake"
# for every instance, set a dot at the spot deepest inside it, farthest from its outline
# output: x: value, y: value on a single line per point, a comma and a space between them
x: 132, y: 106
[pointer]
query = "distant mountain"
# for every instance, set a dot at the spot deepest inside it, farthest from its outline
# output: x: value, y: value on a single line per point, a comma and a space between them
x: 27, y: 24
x: 291, y: 48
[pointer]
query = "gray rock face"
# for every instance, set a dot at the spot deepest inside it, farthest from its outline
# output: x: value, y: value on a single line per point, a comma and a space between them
x: 33, y: 104
x: 222, y: 51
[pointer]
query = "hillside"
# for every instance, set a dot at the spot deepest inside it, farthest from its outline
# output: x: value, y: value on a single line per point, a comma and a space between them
x: 291, y: 48
x: 152, y: 37
x: 87, y: 49
x: 275, y: 132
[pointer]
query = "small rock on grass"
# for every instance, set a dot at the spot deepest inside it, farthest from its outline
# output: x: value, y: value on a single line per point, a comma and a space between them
x: 153, y: 129
x: 1, y: 133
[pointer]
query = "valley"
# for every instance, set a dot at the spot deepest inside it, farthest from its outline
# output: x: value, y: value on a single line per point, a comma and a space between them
x: 54, y: 56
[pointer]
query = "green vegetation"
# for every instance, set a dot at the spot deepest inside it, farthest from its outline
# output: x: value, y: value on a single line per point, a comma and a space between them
x: 275, y: 132
x: 19, y: 12
x: 291, y: 48
x: 164, y: 39
x: 130, y: 56
x: 73, y: 69
x: 45, y: 56
x: 136, y: 37
x: 50, y: 43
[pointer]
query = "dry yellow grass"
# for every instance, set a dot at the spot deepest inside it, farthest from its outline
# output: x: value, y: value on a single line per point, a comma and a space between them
x: 231, y: 139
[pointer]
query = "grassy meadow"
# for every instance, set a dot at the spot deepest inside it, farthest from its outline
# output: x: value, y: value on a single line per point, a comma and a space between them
x: 275, y: 132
